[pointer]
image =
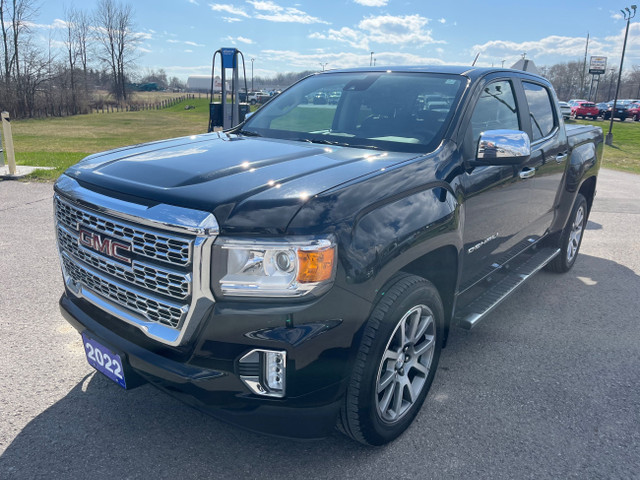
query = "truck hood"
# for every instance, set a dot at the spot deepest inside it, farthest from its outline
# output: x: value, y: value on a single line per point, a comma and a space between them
x: 251, y: 184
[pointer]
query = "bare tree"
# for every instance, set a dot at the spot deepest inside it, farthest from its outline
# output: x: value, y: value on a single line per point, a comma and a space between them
x: 71, y: 45
x: 117, y: 41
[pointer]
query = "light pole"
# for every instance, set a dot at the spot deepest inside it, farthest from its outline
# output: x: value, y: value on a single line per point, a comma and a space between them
x: 611, y: 82
x: 324, y: 65
x: 371, y: 60
x: 628, y: 15
x: 252, y: 60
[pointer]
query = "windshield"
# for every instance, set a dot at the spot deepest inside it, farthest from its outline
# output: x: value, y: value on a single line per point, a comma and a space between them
x: 405, y: 112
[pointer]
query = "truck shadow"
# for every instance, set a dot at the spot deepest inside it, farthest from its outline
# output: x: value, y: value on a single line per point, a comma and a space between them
x: 504, y: 365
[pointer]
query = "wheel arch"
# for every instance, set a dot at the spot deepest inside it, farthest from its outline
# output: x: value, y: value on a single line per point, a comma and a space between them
x: 440, y: 267
x: 588, y: 190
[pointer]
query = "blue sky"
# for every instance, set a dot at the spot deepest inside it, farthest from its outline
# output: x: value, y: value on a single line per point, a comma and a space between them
x: 283, y: 36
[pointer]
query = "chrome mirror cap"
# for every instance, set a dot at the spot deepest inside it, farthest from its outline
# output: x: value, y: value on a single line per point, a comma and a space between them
x: 498, y: 147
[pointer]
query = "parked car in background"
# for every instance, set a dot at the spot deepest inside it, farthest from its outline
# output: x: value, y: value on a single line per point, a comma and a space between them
x: 574, y: 101
x: 585, y: 109
x: 620, y: 113
x: 603, y: 107
x: 634, y: 111
x: 565, y: 109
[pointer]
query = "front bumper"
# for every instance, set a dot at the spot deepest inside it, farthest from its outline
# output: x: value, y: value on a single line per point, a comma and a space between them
x: 318, y: 341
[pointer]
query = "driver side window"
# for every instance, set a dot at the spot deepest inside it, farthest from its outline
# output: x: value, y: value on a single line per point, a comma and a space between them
x: 496, y: 109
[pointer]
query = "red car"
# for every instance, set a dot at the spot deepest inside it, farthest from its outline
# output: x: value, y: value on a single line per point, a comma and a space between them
x: 634, y: 111
x: 584, y: 110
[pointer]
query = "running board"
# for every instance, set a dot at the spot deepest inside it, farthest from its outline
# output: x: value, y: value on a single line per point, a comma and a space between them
x: 478, y: 309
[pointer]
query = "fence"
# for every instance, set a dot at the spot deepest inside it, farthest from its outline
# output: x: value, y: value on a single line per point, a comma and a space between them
x: 134, y: 107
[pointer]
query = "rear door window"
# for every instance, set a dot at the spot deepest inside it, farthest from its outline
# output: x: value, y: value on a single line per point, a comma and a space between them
x: 543, y: 120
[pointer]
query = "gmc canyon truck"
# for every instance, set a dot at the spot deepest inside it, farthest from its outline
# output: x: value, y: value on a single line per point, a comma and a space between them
x: 303, y: 270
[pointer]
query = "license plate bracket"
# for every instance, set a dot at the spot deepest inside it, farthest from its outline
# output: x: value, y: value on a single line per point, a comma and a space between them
x: 104, y: 360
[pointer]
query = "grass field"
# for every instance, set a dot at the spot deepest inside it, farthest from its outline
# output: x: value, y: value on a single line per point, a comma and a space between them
x: 624, y: 154
x: 61, y: 142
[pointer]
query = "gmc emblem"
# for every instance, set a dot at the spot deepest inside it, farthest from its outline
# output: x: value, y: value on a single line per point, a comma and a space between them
x: 106, y: 246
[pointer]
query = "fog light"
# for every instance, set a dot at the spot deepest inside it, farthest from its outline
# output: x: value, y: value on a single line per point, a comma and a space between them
x: 264, y: 372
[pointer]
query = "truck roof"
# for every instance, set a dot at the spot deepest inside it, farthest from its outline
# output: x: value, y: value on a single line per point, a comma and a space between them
x: 468, y: 71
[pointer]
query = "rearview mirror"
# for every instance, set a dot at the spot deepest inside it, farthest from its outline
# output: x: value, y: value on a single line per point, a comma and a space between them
x: 503, y: 147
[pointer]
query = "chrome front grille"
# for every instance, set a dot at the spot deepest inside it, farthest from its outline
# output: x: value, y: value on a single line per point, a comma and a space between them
x: 157, y: 286
x: 156, y: 279
x: 153, y: 310
x: 144, y: 242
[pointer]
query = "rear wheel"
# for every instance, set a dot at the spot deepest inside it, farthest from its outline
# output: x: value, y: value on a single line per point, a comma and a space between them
x: 396, y: 362
x: 571, y: 237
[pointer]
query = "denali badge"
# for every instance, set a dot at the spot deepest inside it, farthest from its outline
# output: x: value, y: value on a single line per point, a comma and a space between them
x: 484, y: 242
x: 106, y: 246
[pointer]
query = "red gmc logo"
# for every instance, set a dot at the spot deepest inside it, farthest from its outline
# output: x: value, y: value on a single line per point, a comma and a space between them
x: 106, y: 246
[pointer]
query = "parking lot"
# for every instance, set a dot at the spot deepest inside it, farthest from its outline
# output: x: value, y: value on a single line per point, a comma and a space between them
x: 547, y: 387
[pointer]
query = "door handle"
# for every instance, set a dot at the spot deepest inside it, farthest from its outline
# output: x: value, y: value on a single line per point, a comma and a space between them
x: 561, y: 157
x: 527, y: 172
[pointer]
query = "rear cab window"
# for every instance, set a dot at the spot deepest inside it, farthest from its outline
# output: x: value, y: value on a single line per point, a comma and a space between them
x: 541, y: 112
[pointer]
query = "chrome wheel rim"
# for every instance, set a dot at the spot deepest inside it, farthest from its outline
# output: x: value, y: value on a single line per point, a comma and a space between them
x: 576, y: 234
x: 405, y: 364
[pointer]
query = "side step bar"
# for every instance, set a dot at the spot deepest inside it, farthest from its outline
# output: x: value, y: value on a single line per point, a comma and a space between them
x: 471, y: 314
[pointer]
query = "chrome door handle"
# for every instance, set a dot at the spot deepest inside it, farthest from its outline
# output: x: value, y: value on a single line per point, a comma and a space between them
x: 561, y: 157
x: 528, y: 173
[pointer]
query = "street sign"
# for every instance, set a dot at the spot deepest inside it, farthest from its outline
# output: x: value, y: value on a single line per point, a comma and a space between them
x: 598, y: 65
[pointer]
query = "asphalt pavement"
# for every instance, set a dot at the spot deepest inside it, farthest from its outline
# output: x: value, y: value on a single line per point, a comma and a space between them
x: 547, y: 387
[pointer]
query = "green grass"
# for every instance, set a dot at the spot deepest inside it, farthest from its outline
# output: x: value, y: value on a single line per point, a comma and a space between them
x: 61, y: 142
x: 624, y: 154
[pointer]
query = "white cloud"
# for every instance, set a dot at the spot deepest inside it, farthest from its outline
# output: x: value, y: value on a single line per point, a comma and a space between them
x: 173, y: 41
x: 231, y: 19
x: 616, y: 15
x: 194, y: 44
x: 354, y: 38
x: 395, y: 30
x: 193, y: 2
x: 442, y: 20
x: 372, y: 3
x: 272, y: 12
x: 222, y: 7
x: 236, y: 40
x: 144, y: 50
x: 344, y: 59
x: 266, y: 6
x: 554, y: 45
x: 383, y: 29
x: 188, y: 51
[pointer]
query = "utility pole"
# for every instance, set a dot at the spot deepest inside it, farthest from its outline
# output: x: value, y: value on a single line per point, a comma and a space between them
x: 252, y: 60
x: 584, y: 69
x: 610, y: 83
x: 628, y: 15
x: 324, y: 65
x: 371, y: 60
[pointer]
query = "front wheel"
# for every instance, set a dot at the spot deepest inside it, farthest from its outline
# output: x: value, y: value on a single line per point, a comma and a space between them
x: 571, y: 237
x: 396, y: 362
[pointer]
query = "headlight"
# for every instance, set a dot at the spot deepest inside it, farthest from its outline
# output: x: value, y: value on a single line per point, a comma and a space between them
x: 290, y: 267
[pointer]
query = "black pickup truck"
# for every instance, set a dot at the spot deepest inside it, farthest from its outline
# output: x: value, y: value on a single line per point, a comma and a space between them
x: 303, y: 270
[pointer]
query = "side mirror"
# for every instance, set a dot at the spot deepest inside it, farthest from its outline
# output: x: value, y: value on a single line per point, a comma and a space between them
x: 248, y: 115
x: 502, y: 147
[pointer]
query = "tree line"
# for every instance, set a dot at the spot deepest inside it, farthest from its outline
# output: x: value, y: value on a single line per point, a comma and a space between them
x: 88, y: 51
x: 572, y: 80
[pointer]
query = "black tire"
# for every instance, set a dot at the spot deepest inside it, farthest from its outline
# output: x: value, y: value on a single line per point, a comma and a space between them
x: 571, y: 237
x: 409, y: 300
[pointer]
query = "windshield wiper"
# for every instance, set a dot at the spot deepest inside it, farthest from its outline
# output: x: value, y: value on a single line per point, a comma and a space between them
x: 323, y: 141
x: 248, y: 133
